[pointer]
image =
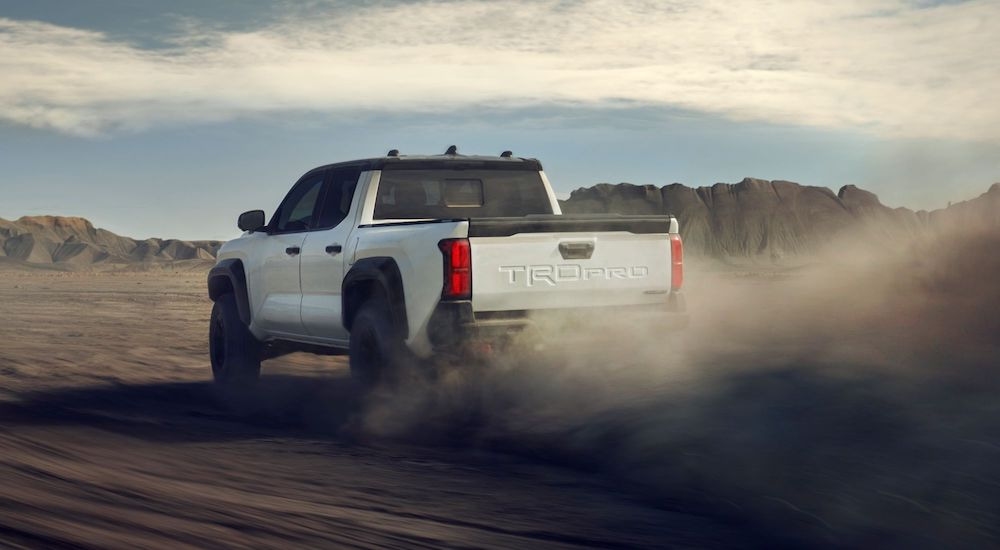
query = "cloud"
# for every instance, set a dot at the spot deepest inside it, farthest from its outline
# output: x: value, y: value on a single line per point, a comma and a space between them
x: 886, y: 67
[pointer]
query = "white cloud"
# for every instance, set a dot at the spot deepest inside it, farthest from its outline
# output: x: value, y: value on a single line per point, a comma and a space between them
x: 884, y: 66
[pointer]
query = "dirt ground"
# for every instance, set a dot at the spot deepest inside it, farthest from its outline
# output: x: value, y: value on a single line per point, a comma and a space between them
x: 848, y: 404
x: 111, y: 436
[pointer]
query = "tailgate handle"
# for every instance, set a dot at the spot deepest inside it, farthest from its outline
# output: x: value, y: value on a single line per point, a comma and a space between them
x: 576, y: 251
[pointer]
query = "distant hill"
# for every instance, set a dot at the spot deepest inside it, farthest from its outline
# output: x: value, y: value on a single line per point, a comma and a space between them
x: 74, y: 243
x: 753, y: 220
x: 776, y: 220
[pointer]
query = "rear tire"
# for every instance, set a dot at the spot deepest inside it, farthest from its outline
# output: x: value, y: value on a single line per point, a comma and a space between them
x: 378, y: 354
x: 234, y: 351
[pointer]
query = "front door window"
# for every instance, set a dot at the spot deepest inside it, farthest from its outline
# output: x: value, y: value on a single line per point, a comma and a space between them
x: 297, y: 212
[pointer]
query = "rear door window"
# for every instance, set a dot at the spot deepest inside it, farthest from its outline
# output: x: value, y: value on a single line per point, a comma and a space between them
x: 340, y: 188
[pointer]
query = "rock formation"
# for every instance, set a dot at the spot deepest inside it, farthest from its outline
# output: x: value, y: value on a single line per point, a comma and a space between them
x: 774, y: 220
x: 756, y: 220
x: 74, y: 243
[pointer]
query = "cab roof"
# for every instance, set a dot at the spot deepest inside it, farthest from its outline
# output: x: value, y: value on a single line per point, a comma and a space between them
x: 437, y: 162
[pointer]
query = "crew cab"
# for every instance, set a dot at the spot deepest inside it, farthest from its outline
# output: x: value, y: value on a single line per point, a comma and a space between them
x: 401, y: 258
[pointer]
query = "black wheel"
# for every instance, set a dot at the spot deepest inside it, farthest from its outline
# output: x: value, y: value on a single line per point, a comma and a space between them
x: 378, y: 354
x: 234, y: 351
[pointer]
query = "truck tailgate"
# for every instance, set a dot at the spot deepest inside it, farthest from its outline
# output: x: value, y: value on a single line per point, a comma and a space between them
x: 546, y: 262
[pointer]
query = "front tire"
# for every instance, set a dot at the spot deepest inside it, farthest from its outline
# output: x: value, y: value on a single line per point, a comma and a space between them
x: 377, y: 351
x: 234, y: 351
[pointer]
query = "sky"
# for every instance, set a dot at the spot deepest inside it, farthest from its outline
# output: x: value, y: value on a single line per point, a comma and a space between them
x: 169, y: 118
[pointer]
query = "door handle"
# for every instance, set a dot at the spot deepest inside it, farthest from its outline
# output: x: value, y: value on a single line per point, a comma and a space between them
x: 576, y: 251
x: 334, y: 249
x: 292, y: 250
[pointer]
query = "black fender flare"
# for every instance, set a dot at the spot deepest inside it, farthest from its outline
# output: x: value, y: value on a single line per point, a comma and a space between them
x: 228, y: 276
x: 378, y: 274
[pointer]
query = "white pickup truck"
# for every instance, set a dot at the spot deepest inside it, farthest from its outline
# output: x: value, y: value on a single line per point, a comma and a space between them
x: 401, y: 258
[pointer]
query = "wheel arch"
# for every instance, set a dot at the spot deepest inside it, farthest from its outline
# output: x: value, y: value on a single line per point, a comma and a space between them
x: 228, y: 276
x: 371, y: 277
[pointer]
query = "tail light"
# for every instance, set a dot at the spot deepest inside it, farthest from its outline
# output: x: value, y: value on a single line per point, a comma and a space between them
x: 457, y: 269
x: 676, y: 262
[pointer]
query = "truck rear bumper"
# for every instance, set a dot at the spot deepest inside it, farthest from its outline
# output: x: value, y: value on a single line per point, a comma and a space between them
x: 454, y: 326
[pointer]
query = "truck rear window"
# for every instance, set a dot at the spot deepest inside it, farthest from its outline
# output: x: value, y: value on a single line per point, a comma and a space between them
x: 421, y: 194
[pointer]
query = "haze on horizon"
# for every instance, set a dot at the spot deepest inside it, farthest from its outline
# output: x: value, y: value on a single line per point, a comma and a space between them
x: 168, y: 120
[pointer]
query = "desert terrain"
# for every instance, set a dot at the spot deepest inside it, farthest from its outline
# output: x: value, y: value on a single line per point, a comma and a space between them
x: 850, y: 404
x: 833, y: 390
x: 111, y: 436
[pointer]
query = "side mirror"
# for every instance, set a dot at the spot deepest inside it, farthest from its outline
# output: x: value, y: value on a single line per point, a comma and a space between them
x: 251, y: 221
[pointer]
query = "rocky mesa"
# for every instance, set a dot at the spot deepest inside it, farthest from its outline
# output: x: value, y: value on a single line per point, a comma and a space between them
x: 74, y: 243
x: 755, y: 220
x: 778, y: 220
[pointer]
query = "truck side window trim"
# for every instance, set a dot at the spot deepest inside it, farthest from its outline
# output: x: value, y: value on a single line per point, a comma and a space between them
x: 413, y: 222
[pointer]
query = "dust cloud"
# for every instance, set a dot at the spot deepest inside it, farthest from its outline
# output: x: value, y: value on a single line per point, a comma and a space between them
x: 850, y: 402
